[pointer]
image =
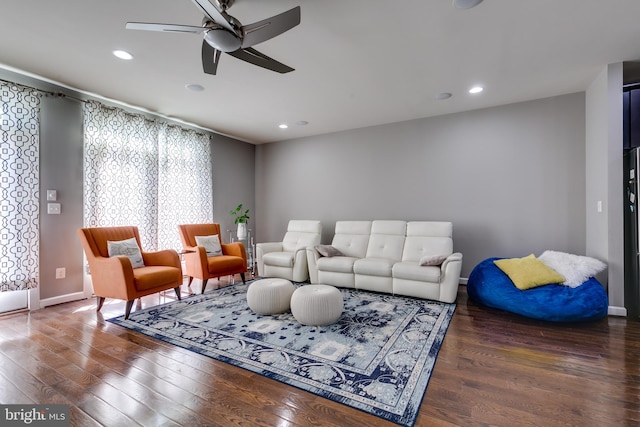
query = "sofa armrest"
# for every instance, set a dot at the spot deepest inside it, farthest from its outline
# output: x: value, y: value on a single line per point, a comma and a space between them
x: 450, y: 277
x: 300, y: 271
x: 196, y: 262
x: 168, y: 257
x: 112, y: 277
x: 264, y: 248
x: 312, y: 263
x: 234, y: 249
x: 269, y: 247
x: 455, y: 257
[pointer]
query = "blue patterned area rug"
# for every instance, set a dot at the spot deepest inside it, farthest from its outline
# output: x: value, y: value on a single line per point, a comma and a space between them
x: 377, y: 358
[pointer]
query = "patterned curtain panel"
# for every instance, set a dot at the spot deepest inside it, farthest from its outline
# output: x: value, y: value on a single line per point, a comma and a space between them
x: 141, y: 172
x: 120, y: 170
x: 185, y: 192
x: 19, y: 183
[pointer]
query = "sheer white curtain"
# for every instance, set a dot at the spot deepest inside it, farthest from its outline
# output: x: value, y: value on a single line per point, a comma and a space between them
x: 19, y: 186
x: 145, y: 173
x: 185, y: 189
x: 120, y: 170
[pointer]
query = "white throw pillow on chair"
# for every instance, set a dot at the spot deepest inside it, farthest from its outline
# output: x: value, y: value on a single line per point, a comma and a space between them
x: 211, y: 244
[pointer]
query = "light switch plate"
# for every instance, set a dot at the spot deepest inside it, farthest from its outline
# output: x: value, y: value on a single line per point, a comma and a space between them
x: 52, y: 195
x: 53, y: 208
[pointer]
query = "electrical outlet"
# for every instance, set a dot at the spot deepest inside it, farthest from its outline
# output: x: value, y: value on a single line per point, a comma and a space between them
x: 53, y: 208
x: 61, y: 273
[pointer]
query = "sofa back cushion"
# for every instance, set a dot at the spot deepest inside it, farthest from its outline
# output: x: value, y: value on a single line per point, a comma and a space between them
x: 427, y: 238
x: 387, y: 239
x: 352, y: 237
x: 300, y: 234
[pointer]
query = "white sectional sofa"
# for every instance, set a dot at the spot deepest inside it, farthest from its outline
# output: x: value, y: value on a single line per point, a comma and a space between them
x: 386, y: 256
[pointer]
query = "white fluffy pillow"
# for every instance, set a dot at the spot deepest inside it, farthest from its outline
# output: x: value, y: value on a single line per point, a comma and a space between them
x: 128, y: 248
x: 576, y: 269
x: 211, y: 244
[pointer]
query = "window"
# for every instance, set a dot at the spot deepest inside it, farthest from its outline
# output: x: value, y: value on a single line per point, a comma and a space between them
x: 146, y: 173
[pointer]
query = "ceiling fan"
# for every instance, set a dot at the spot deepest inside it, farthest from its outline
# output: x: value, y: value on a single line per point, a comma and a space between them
x: 224, y: 33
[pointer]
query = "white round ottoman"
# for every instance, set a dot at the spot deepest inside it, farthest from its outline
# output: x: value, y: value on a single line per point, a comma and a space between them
x: 316, y: 305
x: 269, y: 296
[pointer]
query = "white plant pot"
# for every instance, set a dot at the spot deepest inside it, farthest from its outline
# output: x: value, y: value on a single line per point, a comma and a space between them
x: 242, y: 231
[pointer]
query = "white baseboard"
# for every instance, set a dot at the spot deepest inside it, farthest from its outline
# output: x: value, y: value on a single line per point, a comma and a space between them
x: 464, y: 280
x: 62, y: 299
x: 617, y: 311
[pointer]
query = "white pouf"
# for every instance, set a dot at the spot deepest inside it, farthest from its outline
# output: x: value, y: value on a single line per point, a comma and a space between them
x: 270, y: 296
x: 316, y: 305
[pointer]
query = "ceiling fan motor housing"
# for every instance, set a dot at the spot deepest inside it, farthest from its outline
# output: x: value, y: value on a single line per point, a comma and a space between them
x: 223, y: 39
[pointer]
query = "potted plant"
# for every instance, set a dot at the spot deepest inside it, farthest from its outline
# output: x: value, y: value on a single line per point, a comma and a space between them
x: 240, y: 218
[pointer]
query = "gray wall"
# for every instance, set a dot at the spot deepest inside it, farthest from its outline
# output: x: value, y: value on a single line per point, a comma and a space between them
x: 233, y: 180
x: 605, y: 178
x: 60, y: 170
x: 510, y: 178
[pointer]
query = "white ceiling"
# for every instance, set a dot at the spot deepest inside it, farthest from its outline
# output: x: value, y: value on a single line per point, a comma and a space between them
x: 358, y: 62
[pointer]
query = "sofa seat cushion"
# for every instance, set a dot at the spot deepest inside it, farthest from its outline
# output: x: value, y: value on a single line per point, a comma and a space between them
x: 411, y: 270
x: 338, y: 264
x: 279, y: 259
x: 374, y: 266
x: 223, y: 263
x: 155, y: 276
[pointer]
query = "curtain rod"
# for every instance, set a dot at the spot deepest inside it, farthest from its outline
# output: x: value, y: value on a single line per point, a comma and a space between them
x: 125, y: 107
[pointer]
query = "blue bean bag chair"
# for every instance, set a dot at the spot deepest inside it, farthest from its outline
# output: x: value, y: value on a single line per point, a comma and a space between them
x: 490, y: 286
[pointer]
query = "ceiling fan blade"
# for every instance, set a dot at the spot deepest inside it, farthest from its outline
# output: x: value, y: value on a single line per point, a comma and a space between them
x: 210, y: 58
x: 212, y: 12
x: 268, y: 28
x: 148, y: 26
x: 261, y: 60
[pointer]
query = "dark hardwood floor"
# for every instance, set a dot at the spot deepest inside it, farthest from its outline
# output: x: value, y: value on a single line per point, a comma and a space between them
x: 494, y: 369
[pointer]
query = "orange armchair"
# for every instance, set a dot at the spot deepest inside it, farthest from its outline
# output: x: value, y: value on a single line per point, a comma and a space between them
x: 233, y: 259
x: 114, y: 277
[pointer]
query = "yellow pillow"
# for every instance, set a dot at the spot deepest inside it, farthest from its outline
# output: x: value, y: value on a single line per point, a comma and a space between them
x: 528, y: 272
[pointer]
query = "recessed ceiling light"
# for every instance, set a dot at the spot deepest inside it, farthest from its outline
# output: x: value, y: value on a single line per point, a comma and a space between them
x: 283, y: 126
x: 302, y: 123
x: 443, y: 95
x: 123, y: 54
x: 466, y: 4
x: 194, y: 87
x: 476, y: 89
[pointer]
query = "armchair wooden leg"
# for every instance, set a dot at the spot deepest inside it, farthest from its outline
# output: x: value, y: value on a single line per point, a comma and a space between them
x: 127, y: 310
x: 190, y: 280
x: 204, y: 285
x: 100, y: 302
x: 177, y: 289
x: 242, y: 275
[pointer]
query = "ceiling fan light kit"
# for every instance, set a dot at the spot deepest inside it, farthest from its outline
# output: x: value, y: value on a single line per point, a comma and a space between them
x: 466, y: 4
x: 224, y: 33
